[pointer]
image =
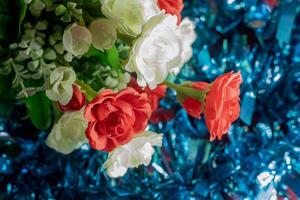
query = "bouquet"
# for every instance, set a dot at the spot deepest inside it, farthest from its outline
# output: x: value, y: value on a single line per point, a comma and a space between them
x: 94, y: 72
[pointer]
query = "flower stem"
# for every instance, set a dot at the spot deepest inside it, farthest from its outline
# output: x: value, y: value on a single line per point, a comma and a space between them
x: 187, y: 91
x: 90, y: 92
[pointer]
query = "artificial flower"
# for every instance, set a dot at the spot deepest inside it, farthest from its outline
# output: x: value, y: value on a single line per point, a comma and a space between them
x: 129, y: 15
x: 192, y: 106
x: 76, y: 103
x: 138, y: 151
x: 161, y: 115
x: 77, y: 39
x: 68, y: 133
x: 104, y: 33
x: 173, y: 7
x: 222, y: 104
x: 188, y: 34
x: 60, y: 83
x: 114, y: 118
x: 157, y: 51
x: 154, y: 95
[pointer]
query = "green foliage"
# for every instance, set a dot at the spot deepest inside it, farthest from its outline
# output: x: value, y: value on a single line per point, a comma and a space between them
x: 113, y: 57
x: 12, y: 13
x: 5, y: 88
x: 38, y: 108
x: 109, y: 57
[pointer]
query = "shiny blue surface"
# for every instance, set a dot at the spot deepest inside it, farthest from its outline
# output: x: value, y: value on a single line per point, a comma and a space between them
x: 259, y: 158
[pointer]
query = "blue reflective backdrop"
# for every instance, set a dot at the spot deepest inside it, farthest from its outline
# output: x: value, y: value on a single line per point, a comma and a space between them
x: 258, y: 159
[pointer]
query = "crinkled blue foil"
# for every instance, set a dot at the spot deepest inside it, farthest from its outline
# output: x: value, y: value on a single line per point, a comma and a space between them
x: 258, y: 159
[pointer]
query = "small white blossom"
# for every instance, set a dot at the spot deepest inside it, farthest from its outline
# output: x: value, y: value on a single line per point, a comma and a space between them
x: 130, y: 15
x: 60, y: 85
x: 138, y: 151
x: 68, y: 133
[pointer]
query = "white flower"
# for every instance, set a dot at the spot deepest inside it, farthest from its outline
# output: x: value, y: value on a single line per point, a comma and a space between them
x: 137, y: 152
x: 69, y: 133
x: 130, y: 15
x: 60, y: 85
x: 188, y: 36
x: 157, y: 51
x: 77, y: 39
x: 104, y: 33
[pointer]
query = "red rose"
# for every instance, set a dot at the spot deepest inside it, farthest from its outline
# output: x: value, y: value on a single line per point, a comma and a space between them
x: 114, y: 118
x: 154, y: 96
x: 192, y: 106
x: 173, y: 7
x: 222, y: 104
x: 76, y: 103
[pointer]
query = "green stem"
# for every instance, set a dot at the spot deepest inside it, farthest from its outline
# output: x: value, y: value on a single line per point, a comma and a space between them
x: 90, y: 92
x: 57, y: 112
x: 187, y: 91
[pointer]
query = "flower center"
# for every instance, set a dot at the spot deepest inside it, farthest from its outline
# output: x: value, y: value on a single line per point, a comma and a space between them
x: 116, y: 125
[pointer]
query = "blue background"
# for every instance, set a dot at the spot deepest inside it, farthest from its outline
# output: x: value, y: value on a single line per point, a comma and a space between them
x: 258, y: 159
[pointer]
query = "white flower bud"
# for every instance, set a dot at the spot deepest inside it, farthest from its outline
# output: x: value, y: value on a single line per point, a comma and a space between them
x: 77, y: 39
x: 104, y: 33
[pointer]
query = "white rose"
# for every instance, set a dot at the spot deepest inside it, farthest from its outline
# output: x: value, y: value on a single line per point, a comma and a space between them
x: 68, y: 133
x: 60, y: 85
x: 129, y: 15
x: 138, y: 151
x: 188, y: 35
x: 77, y: 39
x: 157, y: 51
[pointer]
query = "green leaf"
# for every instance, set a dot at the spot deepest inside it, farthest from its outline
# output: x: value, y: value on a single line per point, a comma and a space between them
x: 12, y: 13
x: 97, y: 53
x: 109, y: 57
x: 113, y: 57
x: 38, y: 108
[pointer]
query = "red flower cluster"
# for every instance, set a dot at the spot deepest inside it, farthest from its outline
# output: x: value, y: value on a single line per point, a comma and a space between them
x: 173, y: 7
x: 221, y: 105
x: 114, y: 118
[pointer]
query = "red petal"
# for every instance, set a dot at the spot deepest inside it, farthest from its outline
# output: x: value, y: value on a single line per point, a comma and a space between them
x: 96, y: 139
x: 193, y: 107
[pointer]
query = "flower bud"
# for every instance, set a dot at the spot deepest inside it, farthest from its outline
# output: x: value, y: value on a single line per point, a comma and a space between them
x: 104, y: 33
x: 77, y: 39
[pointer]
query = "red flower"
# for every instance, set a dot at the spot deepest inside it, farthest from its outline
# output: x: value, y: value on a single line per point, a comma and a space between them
x: 161, y: 115
x: 192, y: 106
x: 114, y: 118
x: 222, y: 104
x: 76, y: 103
x: 173, y: 7
x: 271, y: 3
x: 154, y: 96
